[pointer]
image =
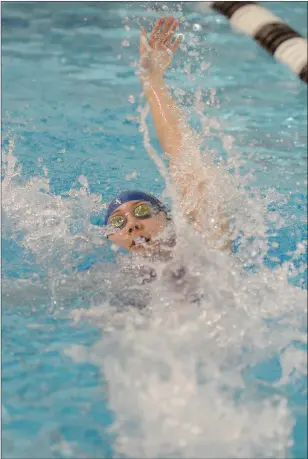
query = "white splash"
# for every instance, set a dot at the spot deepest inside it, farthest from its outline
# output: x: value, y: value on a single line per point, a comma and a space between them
x: 177, y: 370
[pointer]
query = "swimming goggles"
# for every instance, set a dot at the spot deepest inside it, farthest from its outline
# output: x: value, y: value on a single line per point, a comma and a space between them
x: 142, y: 211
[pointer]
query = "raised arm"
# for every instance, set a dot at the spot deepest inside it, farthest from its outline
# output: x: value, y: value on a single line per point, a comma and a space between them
x: 156, y: 54
x: 177, y: 139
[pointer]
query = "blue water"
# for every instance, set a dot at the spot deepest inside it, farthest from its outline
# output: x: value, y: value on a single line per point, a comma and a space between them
x: 68, y: 78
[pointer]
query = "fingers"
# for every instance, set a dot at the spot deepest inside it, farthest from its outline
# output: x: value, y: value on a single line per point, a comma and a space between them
x: 175, y: 45
x: 168, y: 23
x: 163, y: 31
x: 155, y: 31
x: 170, y: 33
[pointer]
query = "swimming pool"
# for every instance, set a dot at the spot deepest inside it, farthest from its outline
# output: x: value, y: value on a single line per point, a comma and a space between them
x: 231, y: 383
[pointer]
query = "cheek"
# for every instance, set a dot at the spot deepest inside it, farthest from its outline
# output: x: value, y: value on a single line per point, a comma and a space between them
x: 155, y: 225
x: 119, y: 240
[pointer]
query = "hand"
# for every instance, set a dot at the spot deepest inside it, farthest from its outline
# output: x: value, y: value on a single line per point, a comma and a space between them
x: 156, y: 54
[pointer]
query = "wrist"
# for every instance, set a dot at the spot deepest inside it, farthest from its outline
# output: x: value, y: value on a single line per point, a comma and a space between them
x: 150, y: 80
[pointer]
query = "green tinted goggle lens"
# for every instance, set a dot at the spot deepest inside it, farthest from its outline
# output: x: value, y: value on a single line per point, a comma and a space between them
x: 141, y: 211
x: 117, y: 221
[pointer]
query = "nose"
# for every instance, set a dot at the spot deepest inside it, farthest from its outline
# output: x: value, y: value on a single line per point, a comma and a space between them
x: 133, y: 225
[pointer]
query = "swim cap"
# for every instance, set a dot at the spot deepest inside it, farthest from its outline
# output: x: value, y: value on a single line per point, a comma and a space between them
x: 133, y: 195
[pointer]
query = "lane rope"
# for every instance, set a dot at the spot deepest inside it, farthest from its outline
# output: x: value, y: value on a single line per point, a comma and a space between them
x: 270, y: 31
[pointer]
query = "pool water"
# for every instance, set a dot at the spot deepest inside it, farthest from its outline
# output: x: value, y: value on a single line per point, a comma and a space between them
x: 78, y: 381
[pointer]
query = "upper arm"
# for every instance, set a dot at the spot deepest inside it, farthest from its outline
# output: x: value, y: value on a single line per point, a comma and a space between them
x: 200, y: 200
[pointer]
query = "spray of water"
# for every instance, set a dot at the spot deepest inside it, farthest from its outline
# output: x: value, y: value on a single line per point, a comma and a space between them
x: 180, y: 365
x: 180, y: 372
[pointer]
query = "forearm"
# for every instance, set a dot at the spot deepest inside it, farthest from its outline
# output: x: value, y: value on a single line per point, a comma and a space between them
x: 167, y: 116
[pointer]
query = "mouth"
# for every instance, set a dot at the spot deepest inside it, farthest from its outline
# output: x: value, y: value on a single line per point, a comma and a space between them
x: 140, y: 241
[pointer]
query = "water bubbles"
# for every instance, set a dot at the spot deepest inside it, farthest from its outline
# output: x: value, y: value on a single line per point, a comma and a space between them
x: 131, y: 99
x: 193, y: 53
x: 196, y: 430
x: 125, y: 43
x: 302, y: 246
x: 84, y: 182
x: 273, y: 216
x: 127, y: 28
x: 204, y: 66
x: 131, y: 176
x: 179, y: 92
x: 197, y: 27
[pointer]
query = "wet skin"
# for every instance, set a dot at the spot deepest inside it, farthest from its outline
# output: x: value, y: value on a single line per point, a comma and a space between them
x: 138, y: 234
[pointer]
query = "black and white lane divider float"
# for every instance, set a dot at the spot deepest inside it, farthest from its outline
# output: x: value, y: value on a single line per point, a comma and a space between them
x: 284, y: 43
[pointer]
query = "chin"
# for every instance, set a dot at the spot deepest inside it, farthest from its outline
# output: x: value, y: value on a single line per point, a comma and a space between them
x: 135, y: 248
x: 146, y: 248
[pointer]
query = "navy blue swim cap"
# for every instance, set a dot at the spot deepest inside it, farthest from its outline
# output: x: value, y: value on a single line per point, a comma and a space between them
x: 133, y: 195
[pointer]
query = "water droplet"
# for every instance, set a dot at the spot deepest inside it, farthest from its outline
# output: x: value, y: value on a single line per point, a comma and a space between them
x: 131, y: 99
x: 131, y: 176
x: 83, y: 181
x: 204, y: 66
x: 125, y: 43
x: 197, y: 27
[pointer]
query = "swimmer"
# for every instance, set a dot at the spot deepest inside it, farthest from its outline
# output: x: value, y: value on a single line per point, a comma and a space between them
x: 135, y: 220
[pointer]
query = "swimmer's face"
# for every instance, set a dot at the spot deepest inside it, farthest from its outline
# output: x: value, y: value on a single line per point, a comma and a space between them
x: 138, y: 234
